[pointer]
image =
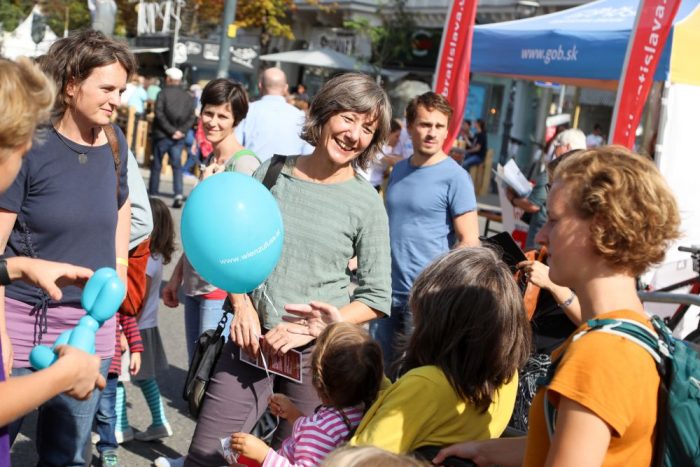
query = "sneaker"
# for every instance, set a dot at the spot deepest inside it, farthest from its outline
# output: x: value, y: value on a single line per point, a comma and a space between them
x: 109, y: 459
x: 177, y: 202
x: 154, y: 432
x: 124, y: 436
x: 168, y: 462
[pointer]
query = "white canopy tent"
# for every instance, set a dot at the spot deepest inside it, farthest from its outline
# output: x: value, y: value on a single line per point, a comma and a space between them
x: 19, y: 42
x: 329, y: 58
x: 323, y: 58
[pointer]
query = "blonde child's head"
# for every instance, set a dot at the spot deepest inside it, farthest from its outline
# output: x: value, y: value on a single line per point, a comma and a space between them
x: 346, y: 366
x: 369, y: 456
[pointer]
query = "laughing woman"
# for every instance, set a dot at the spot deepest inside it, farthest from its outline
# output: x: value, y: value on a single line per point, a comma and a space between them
x: 330, y: 215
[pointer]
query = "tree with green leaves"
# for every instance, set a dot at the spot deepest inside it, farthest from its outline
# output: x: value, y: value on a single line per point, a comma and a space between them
x: 392, y: 40
x: 60, y: 14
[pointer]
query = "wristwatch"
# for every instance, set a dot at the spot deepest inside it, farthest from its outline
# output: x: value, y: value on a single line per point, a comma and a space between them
x: 4, y: 275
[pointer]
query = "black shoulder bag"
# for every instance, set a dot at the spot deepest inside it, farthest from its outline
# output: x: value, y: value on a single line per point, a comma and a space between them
x: 210, y: 344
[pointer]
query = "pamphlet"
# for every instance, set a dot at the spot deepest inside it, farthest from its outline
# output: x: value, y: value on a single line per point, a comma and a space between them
x: 511, y: 175
x: 287, y: 365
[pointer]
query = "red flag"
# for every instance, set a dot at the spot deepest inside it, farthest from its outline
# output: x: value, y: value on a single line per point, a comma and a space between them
x: 452, y: 73
x: 651, y: 28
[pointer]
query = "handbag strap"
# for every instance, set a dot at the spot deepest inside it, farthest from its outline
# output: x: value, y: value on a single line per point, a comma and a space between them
x: 273, y: 171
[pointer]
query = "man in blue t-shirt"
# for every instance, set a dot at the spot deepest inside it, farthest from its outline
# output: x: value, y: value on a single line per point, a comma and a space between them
x: 432, y: 208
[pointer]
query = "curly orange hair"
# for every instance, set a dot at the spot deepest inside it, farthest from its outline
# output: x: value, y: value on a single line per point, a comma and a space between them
x: 634, y: 215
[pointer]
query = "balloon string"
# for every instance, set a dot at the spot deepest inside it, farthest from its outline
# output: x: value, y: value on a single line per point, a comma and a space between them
x: 267, y: 297
x: 268, y: 436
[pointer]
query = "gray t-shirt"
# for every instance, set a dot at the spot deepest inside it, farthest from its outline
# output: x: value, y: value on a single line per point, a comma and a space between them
x: 141, y: 217
x: 325, y: 225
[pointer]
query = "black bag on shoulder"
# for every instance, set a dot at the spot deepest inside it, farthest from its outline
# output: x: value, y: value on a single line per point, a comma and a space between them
x: 206, y: 354
x: 210, y: 344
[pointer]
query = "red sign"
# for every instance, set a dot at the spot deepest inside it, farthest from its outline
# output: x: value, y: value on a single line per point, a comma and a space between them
x: 452, y: 73
x: 652, y: 26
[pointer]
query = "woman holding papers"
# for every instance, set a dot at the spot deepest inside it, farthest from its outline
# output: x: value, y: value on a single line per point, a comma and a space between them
x: 330, y: 215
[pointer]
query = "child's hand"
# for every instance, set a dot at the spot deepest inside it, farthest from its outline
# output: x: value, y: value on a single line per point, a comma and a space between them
x: 249, y: 446
x: 123, y: 343
x: 135, y: 363
x: 282, y: 407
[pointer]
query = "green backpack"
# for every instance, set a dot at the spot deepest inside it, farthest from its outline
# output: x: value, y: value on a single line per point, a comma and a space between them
x: 678, y: 361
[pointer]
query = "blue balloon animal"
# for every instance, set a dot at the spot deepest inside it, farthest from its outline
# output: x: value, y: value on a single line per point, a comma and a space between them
x: 101, y: 298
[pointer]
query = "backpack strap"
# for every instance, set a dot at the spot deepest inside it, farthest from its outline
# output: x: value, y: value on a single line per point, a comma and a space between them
x: 655, y: 344
x: 114, y: 144
x: 633, y: 331
x: 273, y: 171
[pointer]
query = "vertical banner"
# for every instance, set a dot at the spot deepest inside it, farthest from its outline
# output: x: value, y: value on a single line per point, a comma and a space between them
x: 452, y: 72
x: 647, y: 41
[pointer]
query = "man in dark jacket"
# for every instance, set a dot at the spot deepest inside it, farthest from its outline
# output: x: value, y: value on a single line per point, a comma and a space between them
x: 174, y: 115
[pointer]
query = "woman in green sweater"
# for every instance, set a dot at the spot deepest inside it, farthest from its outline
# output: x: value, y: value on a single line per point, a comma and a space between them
x: 330, y: 215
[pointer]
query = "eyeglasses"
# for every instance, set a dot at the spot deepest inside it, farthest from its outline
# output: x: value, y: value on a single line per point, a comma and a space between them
x: 547, y: 187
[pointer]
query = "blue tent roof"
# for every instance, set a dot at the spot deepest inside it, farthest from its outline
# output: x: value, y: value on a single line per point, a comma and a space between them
x: 585, y: 42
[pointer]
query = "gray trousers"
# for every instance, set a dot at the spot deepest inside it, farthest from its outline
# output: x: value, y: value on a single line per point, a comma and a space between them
x: 235, y: 400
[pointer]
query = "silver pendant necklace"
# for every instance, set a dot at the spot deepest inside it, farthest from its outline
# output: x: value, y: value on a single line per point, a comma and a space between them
x: 82, y: 155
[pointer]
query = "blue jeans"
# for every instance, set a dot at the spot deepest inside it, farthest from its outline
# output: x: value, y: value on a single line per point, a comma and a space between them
x: 192, y: 156
x: 172, y: 147
x: 63, y: 427
x: 471, y: 160
x: 387, y: 330
x: 202, y: 314
x: 106, y: 416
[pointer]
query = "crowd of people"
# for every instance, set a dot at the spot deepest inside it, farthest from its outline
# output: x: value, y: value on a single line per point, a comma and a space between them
x: 412, y: 332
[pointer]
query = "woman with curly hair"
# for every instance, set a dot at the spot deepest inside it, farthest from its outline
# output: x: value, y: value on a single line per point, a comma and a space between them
x: 611, y: 217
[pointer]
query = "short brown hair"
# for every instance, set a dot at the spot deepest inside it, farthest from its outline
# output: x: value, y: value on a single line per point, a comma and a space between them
x: 470, y: 322
x: 225, y: 91
x: 27, y: 96
x: 350, y: 92
x: 74, y: 57
x: 430, y: 101
x: 347, y: 366
x: 634, y: 215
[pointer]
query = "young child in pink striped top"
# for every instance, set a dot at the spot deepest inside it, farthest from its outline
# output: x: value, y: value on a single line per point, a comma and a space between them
x: 347, y: 372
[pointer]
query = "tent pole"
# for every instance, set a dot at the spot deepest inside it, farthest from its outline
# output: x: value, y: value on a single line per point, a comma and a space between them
x: 507, y: 123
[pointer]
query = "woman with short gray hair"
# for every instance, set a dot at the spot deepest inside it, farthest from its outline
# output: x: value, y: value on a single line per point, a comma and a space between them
x: 330, y: 215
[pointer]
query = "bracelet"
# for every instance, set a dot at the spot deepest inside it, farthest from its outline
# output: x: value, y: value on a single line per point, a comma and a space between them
x: 123, y: 261
x: 567, y: 303
x: 4, y: 275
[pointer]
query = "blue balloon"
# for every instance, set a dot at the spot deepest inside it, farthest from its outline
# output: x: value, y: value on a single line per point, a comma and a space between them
x: 232, y: 231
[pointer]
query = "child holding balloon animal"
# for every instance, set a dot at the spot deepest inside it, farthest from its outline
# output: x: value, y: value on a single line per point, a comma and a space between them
x: 153, y: 358
x: 347, y: 372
